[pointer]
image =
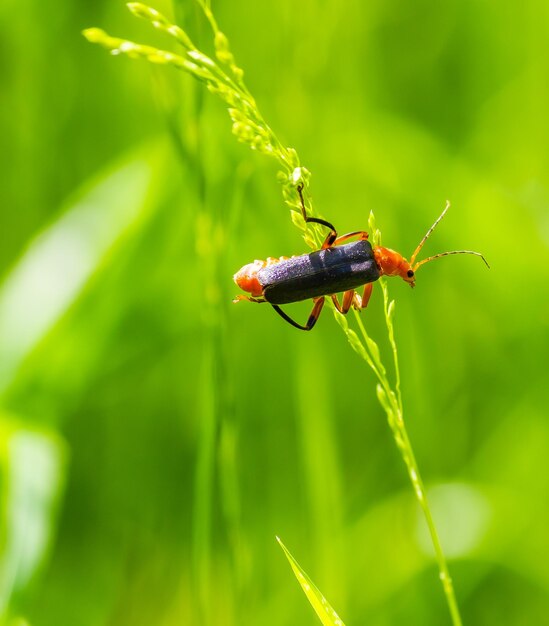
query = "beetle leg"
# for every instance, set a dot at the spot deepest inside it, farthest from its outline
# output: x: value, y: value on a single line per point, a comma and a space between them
x: 362, y: 303
x: 361, y: 234
x: 332, y: 235
x: 317, y: 307
x: 241, y: 297
x: 348, y: 297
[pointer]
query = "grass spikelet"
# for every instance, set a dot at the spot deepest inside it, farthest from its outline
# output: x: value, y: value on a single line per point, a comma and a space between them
x: 224, y: 79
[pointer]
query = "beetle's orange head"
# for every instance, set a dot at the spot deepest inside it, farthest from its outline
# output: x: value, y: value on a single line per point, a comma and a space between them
x: 392, y: 263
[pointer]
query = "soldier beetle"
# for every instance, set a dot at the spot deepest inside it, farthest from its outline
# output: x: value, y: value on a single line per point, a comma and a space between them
x: 333, y: 269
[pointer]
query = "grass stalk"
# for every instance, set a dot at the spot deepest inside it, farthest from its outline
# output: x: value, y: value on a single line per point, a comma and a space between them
x: 203, y: 495
x: 391, y: 401
x: 225, y: 78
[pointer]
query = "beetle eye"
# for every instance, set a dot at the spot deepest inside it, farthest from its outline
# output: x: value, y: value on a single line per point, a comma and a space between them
x: 410, y: 273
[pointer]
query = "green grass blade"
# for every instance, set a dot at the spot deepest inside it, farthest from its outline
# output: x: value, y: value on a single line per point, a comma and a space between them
x: 32, y: 472
x: 321, y: 606
x: 44, y: 283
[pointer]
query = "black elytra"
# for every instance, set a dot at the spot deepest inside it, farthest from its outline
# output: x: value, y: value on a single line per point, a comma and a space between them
x: 319, y: 273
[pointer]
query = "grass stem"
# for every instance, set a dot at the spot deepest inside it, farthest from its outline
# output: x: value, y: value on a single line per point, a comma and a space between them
x: 225, y: 79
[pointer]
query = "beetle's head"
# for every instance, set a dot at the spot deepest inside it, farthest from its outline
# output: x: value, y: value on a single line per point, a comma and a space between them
x: 392, y: 263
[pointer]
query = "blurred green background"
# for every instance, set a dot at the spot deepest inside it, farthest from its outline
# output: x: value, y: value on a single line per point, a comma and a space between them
x: 154, y: 438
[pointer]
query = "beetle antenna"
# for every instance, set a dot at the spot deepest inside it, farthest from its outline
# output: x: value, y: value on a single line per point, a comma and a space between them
x: 437, y: 256
x: 427, y: 235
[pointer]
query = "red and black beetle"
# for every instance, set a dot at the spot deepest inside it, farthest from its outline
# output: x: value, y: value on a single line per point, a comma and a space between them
x: 332, y: 269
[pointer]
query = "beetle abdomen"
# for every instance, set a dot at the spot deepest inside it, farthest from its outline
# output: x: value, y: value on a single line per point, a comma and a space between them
x: 319, y: 273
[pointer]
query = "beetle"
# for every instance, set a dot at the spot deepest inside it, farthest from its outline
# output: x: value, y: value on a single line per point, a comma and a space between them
x: 333, y: 269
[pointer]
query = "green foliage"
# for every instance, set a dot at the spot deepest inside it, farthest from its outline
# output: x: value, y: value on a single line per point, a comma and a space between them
x: 173, y: 434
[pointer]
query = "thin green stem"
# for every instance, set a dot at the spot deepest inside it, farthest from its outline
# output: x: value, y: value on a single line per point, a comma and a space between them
x: 419, y: 489
x: 203, y: 490
x: 388, y: 309
x: 391, y: 402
